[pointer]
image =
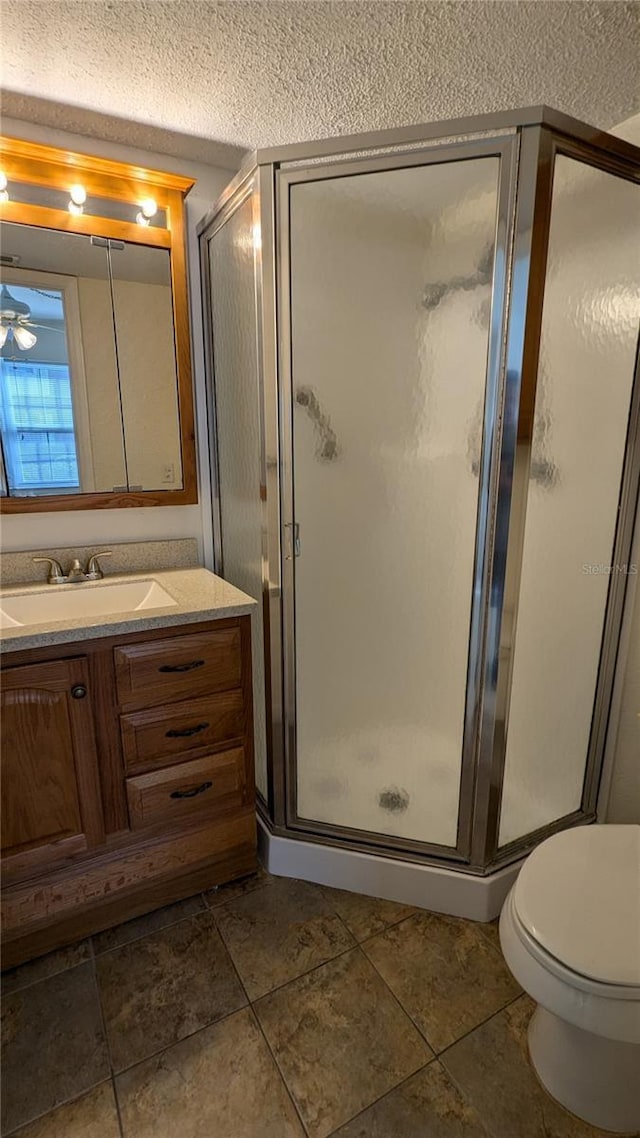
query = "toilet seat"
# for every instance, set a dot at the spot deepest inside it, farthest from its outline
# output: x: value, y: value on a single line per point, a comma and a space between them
x: 560, y: 934
x: 563, y: 971
x: 576, y: 906
x: 609, y: 1010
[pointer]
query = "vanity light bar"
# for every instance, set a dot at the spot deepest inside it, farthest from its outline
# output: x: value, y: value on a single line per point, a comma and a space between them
x: 148, y: 207
x: 78, y: 196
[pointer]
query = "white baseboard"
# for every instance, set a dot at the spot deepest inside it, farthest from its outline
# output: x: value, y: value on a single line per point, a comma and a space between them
x: 410, y: 883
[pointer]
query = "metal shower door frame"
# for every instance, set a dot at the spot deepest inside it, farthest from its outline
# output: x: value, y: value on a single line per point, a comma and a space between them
x: 505, y: 147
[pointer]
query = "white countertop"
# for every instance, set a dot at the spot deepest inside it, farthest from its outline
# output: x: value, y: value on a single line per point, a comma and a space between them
x: 199, y: 594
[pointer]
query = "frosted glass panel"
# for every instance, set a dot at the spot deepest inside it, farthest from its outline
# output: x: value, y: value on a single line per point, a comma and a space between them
x: 231, y: 261
x: 390, y: 295
x: 588, y: 345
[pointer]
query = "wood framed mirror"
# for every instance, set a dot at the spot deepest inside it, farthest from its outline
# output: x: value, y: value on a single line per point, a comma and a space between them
x: 96, y: 396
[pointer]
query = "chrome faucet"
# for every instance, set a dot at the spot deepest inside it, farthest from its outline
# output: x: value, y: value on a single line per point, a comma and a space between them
x: 75, y: 573
x: 93, y: 572
x: 56, y: 572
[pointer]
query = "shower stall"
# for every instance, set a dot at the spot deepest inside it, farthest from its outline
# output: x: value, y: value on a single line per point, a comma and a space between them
x: 425, y: 408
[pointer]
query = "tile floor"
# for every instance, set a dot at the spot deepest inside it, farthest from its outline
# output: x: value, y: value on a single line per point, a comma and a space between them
x: 272, y: 1008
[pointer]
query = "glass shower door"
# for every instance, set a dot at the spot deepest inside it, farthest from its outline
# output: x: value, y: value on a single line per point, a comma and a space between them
x: 387, y: 298
x: 572, y: 473
x: 231, y: 256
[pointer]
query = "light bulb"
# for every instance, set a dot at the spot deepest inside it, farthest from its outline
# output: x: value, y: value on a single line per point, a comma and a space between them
x: 78, y: 194
x: 3, y: 180
x: 75, y: 209
x: 149, y: 207
x: 23, y: 338
x: 4, y: 196
x: 4, y: 332
x: 141, y: 219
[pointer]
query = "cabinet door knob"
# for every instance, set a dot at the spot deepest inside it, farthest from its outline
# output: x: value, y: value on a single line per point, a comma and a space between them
x: 78, y: 691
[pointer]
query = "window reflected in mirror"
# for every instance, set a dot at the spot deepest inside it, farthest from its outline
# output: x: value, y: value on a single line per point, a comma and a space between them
x: 88, y: 372
x: 38, y: 430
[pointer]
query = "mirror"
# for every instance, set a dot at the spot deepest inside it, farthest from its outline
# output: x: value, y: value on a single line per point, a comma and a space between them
x: 96, y: 405
x: 88, y: 382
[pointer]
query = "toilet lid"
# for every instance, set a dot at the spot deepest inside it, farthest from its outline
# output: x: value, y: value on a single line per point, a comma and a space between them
x: 578, y: 895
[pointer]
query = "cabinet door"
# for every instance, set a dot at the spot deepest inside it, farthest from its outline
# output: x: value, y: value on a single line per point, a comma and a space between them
x: 51, y: 803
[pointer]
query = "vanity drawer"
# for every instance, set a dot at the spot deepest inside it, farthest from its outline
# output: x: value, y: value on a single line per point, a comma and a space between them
x: 210, y: 785
x: 160, y: 671
x: 157, y: 736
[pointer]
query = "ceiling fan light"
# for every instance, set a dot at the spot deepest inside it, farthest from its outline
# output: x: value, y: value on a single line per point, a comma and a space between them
x: 141, y: 219
x: 10, y: 307
x: 24, y: 338
x: 75, y: 208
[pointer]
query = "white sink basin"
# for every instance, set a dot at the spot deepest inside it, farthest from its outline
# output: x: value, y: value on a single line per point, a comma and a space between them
x: 76, y: 601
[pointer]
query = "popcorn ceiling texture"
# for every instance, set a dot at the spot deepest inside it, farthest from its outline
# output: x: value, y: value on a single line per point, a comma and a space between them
x: 259, y: 74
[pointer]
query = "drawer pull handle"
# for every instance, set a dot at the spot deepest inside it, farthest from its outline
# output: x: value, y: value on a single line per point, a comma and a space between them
x: 186, y: 731
x: 181, y: 667
x: 78, y: 691
x: 191, y: 793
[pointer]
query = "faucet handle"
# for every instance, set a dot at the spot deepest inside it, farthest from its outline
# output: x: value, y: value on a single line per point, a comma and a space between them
x: 93, y: 571
x: 56, y: 572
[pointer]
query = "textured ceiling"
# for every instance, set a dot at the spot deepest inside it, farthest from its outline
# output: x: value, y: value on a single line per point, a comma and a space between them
x: 258, y: 74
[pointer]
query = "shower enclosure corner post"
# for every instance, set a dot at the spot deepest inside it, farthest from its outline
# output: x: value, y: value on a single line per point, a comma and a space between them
x: 528, y: 266
x: 271, y: 544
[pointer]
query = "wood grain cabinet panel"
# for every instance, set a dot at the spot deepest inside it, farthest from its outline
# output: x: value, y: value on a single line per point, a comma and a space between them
x: 154, y: 737
x: 162, y: 671
x: 50, y: 786
x: 127, y: 778
x: 211, y: 785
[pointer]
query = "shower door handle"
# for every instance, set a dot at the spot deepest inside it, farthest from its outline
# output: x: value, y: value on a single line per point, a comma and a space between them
x: 294, y: 540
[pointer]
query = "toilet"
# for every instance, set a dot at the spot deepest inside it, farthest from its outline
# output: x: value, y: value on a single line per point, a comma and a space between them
x: 570, y: 933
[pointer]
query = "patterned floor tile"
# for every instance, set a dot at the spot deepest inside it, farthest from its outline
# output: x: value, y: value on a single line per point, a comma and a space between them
x: 148, y: 923
x: 492, y: 1068
x: 278, y: 933
x: 445, y: 972
x: 220, y: 1082
x: 53, y: 1047
x: 340, y: 1040
x: 93, y: 1116
x: 223, y: 893
x: 44, y: 966
x: 366, y: 916
x: 162, y: 988
x: 428, y: 1105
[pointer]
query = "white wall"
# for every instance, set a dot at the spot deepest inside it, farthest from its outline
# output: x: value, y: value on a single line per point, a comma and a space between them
x: 50, y: 530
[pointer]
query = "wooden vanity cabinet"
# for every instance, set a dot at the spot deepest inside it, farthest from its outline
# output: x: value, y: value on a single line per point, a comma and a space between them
x: 51, y: 800
x: 127, y: 778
